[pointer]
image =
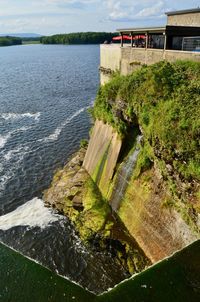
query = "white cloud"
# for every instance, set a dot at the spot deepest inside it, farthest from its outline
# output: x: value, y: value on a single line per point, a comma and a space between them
x: 51, y: 16
x: 152, y: 11
x: 132, y: 9
x: 68, y: 2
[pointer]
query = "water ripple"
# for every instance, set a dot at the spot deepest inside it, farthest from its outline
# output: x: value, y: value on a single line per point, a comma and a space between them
x: 45, y: 91
x: 17, y: 116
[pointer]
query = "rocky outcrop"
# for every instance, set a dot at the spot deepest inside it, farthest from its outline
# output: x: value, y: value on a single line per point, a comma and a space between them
x: 74, y: 194
x: 68, y: 186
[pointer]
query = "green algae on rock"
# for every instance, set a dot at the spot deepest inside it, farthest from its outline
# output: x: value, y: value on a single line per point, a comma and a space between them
x: 159, y: 203
x: 74, y: 194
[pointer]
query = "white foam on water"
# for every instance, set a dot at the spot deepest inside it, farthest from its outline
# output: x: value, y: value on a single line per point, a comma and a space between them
x: 31, y: 214
x: 5, y: 178
x: 17, y: 116
x: 17, y: 155
x: 54, y: 136
x: 16, y: 152
x: 4, y: 139
x: 8, y: 175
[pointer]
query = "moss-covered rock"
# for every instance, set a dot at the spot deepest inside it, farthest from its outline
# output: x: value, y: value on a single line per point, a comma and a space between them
x: 74, y: 194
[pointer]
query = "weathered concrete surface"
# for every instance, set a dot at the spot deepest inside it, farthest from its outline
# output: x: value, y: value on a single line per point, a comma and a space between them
x: 191, y: 19
x: 132, y: 58
x: 110, y: 56
x: 128, y: 59
x: 102, y: 155
x: 173, y: 55
x: 158, y: 228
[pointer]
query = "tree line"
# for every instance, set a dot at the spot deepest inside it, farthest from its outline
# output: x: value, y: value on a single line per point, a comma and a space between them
x: 79, y: 38
x: 9, y: 41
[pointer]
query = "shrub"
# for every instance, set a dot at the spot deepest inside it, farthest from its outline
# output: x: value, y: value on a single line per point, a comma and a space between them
x: 84, y: 143
x: 165, y: 98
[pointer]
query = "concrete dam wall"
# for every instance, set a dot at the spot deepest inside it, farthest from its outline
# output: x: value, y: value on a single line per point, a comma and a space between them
x: 102, y: 155
x: 159, y: 230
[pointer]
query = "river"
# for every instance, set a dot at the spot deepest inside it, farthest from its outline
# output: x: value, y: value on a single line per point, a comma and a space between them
x: 45, y: 91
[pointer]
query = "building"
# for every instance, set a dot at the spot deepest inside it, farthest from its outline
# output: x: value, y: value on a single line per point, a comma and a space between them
x: 189, y: 17
x: 178, y: 40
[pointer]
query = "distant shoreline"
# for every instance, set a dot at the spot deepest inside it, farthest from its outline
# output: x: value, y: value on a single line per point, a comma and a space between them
x: 80, y: 38
x: 10, y: 41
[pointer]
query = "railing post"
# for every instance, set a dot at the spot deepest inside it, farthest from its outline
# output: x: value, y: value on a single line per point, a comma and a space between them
x: 165, y: 46
x: 147, y: 39
x: 165, y: 41
x: 122, y: 42
x: 131, y: 39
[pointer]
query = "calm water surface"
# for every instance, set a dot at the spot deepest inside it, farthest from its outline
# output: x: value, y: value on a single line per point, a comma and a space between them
x: 44, y: 95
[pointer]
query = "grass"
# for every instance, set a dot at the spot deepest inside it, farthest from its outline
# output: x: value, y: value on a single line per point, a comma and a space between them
x: 30, y: 42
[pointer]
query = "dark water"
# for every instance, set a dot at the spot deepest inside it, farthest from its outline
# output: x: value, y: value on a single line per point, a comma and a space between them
x: 44, y: 95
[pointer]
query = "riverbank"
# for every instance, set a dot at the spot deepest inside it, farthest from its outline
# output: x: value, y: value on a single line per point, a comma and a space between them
x: 10, y: 41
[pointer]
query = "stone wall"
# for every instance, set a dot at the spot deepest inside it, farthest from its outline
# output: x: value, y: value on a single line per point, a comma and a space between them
x: 192, y: 19
x: 173, y: 55
x: 132, y: 58
x: 128, y: 59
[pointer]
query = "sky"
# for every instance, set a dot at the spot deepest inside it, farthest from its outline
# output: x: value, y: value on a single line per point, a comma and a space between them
x: 63, y: 16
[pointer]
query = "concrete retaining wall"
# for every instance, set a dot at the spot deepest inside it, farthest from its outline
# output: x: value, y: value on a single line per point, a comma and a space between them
x: 102, y: 155
x: 128, y: 59
x: 110, y: 57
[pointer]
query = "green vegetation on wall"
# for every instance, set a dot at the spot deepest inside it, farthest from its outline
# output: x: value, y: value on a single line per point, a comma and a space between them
x: 164, y: 100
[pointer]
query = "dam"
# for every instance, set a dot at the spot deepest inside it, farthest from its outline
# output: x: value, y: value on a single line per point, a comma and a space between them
x: 137, y: 180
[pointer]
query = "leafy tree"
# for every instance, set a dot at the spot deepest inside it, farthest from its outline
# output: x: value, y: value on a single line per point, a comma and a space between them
x: 79, y: 38
x: 8, y: 41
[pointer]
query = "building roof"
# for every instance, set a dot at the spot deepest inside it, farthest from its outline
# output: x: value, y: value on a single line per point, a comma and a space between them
x: 143, y: 30
x: 182, y: 12
x: 168, y: 29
